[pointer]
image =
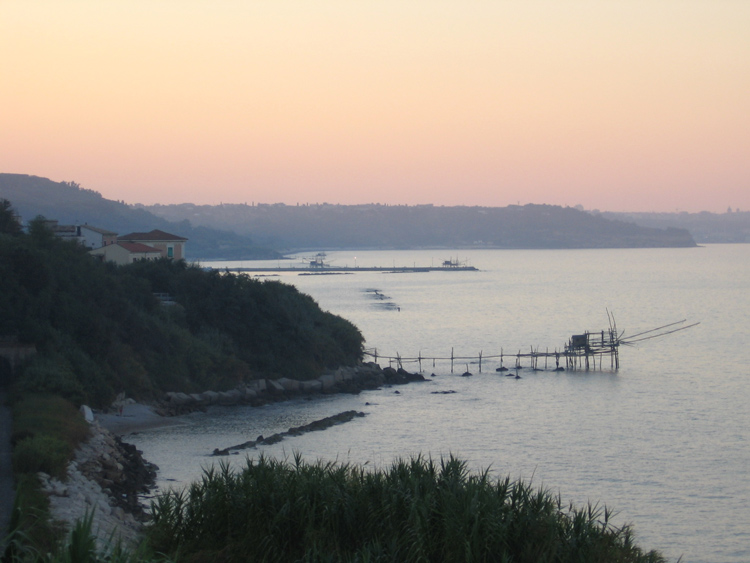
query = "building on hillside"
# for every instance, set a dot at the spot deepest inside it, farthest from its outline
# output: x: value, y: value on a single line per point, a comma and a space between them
x: 171, y: 246
x: 65, y: 232
x: 87, y: 235
x: 94, y: 237
x: 122, y: 253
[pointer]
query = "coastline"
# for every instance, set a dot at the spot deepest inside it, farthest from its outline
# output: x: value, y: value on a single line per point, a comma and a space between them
x: 108, y: 476
x: 105, y: 480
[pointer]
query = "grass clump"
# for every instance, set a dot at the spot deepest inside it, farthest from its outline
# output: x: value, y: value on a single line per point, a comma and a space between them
x: 80, y: 546
x: 417, y: 510
x: 42, y: 453
x: 46, y: 431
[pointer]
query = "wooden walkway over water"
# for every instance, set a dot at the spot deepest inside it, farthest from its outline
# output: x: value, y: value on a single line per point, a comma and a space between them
x: 587, y: 351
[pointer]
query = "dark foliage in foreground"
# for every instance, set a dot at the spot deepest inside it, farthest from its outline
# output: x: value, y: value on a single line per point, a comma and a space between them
x: 418, y: 510
x: 99, y: 329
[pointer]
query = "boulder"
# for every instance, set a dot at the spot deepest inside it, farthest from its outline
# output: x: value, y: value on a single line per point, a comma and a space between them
x: 328, y: 381
x: 257, y: 385
x: 390, y: 373
x: 230, y: 397
x: 290, y: 385
x: 209, y: 397
x: 314, y: 386
x: 274, y: 386
x: 179, y: 399
x: 87, y: 414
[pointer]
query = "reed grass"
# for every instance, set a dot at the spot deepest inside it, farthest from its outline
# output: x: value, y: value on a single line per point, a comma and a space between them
x: 80, y: 546
x: 418, y: 509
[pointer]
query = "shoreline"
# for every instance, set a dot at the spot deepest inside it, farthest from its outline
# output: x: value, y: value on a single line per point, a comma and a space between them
x: 108, y: 475
x: 105, y: 479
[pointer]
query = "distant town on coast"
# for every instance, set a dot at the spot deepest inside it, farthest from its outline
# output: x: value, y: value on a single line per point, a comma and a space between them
x: 267, y: 231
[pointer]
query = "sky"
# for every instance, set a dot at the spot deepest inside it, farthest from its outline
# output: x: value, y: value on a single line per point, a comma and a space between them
x: 630, y: 105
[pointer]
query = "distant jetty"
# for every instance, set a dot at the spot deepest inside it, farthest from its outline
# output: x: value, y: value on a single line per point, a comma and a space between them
x: 352, y: 269
x: 317, y: 265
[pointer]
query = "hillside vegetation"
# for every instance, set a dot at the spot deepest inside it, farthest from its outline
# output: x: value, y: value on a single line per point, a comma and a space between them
x: 421, y: 226
x: 99, y: 329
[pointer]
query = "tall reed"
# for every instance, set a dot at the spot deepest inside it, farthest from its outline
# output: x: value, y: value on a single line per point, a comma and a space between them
x: 418, y: 509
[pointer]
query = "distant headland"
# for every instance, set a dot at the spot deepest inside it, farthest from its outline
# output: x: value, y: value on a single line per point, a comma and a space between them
x: 263, y: 231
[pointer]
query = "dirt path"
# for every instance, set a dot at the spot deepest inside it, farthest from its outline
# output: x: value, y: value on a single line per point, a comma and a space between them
x: 6, y: 471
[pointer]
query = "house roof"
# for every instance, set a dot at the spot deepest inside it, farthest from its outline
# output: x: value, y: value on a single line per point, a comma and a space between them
x: 104, y: 232
x: 138, y: 248
x: 152, y: 236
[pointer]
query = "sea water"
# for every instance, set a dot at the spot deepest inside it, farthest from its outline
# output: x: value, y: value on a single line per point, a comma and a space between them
x: 664, y: 440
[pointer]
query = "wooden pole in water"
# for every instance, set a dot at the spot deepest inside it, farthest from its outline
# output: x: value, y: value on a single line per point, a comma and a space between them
x: 420, y: 361
x: 480, y: 361
x: 451, y: 360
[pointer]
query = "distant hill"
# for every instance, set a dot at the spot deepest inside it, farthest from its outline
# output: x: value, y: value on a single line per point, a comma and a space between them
x: 71, y: 204
x: 381, y: 226
x: 729, y: 227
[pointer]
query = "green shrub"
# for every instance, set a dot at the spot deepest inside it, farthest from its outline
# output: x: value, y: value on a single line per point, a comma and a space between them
x: 35, y: 415
x: 42, y: 453
x: 52, y: 375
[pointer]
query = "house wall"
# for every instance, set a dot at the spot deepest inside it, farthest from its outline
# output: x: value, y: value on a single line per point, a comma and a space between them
x: 93, y: 239
x: 142, y: 256
x: 177, y: 249
x: 113, y: 253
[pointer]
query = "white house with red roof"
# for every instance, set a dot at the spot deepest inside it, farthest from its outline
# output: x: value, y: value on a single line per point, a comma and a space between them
x: 170, y: 246
x: 122, y: 253
x: 142, y: 246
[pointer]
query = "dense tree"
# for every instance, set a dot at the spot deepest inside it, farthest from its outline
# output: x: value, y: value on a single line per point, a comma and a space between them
x: 99, y: 329
x: 8, y: 221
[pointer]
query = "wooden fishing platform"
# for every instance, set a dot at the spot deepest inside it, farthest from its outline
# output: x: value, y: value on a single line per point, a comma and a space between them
x: 586, y: 351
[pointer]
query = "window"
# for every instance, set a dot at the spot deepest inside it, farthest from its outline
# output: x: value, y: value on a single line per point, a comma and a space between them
x: 170, y: 252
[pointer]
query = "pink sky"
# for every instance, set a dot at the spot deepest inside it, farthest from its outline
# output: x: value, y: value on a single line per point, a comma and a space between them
x: 615, y: 105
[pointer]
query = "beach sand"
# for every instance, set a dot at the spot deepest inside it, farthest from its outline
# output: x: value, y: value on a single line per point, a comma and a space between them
x: 134, y: 418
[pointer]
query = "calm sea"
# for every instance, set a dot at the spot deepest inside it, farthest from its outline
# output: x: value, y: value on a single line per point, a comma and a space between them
x: 665, y: 441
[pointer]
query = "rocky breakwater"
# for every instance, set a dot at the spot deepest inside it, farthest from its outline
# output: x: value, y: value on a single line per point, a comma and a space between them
x: 258, y: 392
x: 322, y: 424
x: 106, y: 479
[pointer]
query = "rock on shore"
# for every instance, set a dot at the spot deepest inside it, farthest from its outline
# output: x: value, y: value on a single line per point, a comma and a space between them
x: 343, y: 380
x: 105, y: 477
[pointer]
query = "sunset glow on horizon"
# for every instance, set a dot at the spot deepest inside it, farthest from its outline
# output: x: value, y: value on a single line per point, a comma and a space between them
x: 615, y: 105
